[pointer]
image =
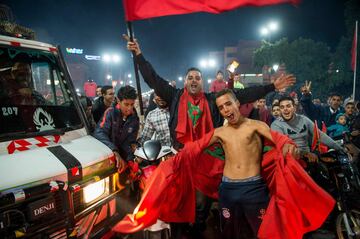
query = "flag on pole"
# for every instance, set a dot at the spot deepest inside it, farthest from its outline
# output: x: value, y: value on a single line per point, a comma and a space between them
x: 316, y: 142
x: 143, y: 9
x: 354, y: 50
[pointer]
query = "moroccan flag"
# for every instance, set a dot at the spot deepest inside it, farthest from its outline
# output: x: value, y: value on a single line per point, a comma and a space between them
x: 316, y: 143
x: 297, y: 205
x: 143, y: 9
x: 354, y: 50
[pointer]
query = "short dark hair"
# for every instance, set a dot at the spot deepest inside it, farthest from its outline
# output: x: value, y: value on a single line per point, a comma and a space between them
x: 226, y: 91
x: 274, y: 105
x: 219, y: 71
x: 192, y: 69
x: 126, y: 92
x: 98, y: 86
x: 105, y: 88
x: 286, y: 97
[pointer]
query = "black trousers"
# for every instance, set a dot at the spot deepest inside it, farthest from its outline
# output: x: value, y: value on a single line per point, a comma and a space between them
x: 242, y: 206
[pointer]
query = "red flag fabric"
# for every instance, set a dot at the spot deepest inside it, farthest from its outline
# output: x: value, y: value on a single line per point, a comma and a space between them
x: 316, y: 137
x: 143, y: 9
x: 316, y: 143
x: 353, y: 50
x: 170, y: 191
x: 194, y: 117
x: 297, y: 204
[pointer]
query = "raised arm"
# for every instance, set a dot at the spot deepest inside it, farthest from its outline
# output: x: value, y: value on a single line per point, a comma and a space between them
x: 314, y: 112
x: 252, y: 94
x: 154, y: 81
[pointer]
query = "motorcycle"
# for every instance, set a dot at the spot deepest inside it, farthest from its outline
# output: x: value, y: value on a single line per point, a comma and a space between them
x: 344, y: 179
x: 148, y: 157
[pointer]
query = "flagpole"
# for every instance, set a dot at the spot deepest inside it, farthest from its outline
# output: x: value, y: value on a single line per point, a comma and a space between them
x: 356, y: 39
x: 136, y: 69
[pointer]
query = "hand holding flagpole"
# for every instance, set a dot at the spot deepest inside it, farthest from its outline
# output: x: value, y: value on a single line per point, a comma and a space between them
x: 131, y: 41
x: 132, y: 45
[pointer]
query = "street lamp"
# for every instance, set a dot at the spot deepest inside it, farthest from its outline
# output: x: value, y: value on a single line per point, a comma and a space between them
x: 180, y: 78
x: 129, y: 75
x: 275, y: 67
x: 109, y: 60
x: 268, y: 29
x: 264, y: 31
x: 106, y: 58
x: 273, y: 26
x: 203, y: 63
x: 115, y: 58
x: 207, y: 63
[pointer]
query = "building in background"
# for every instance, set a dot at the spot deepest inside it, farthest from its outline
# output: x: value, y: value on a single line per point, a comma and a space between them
x: 243, y: 52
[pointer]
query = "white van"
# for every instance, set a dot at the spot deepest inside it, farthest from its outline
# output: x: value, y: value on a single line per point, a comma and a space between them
x: 56, y: 181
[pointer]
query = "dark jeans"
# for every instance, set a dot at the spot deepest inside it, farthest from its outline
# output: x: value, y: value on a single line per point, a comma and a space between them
x: 242, y: 206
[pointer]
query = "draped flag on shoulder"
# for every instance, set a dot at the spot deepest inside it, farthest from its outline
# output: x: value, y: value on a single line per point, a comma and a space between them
x: 143, y: 9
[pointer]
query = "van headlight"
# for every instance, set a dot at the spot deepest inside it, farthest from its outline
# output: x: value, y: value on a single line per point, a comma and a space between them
x: 95, y: 190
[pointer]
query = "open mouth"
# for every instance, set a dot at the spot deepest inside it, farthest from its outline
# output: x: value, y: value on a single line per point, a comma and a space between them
x: 230, y: 117
x: 193, y: 87
x: 286, y: 115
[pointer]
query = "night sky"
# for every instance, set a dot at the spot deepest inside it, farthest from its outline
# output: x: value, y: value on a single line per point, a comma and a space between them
x: 172, y: 43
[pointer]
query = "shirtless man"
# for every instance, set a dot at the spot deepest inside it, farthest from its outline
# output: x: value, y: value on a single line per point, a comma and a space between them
x: 243, y: 195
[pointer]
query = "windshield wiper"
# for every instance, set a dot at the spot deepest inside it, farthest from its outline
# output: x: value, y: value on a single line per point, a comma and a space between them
x: 65, y: 129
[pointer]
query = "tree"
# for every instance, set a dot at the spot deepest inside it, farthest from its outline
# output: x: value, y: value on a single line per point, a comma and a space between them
x: 341, y: 77
x: 305, y: 58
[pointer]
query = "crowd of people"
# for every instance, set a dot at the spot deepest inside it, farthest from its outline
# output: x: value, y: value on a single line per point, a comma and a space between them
x: 177, y: 117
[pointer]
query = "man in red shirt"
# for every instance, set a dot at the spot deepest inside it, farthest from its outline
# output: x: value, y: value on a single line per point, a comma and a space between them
x: 90, y: 88
x: 219, y: 83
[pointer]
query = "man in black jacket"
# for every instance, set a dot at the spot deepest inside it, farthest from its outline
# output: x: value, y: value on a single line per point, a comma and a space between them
x: 103, y: 102
x: 326, y: 114
x: 118, y: 128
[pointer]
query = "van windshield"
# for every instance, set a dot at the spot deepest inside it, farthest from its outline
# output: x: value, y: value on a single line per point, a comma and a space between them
x: 35, y: 98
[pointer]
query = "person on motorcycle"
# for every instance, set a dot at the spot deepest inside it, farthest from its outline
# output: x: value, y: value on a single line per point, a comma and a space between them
x: 157, y: 123
x: 337, y: 130
x: 300, y: 129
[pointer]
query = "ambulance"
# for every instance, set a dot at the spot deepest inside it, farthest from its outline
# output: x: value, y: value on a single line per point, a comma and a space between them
x: 56, y: 180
